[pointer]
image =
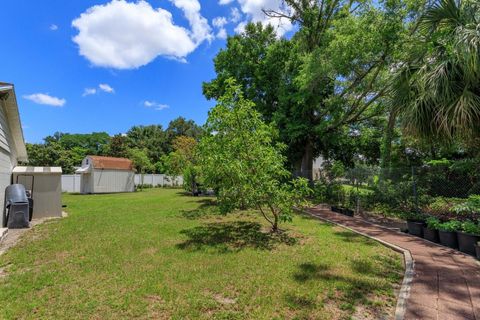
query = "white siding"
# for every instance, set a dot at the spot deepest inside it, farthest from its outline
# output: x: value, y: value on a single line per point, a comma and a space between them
x: 86, y: 185
x: 107, y: 181
x: 7, y: 157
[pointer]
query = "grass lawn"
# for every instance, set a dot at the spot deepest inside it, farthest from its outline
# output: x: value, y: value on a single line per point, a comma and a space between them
x: 158, y: 254
x: 360, y: 190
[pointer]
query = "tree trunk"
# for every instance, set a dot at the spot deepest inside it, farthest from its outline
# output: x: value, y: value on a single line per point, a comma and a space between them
x: 304, y: 167
x: 307, y: 161
x: 195, y: 191
x: 275, y: 223
x: 387, y: 140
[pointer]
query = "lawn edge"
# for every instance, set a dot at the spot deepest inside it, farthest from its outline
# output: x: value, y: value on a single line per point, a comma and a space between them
x: 404, y: 292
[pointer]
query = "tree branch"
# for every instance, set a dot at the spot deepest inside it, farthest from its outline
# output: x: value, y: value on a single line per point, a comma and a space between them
x: 264, y: 215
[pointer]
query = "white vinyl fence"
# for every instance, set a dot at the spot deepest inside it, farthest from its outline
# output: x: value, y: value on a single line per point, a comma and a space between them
x: 71, y: 182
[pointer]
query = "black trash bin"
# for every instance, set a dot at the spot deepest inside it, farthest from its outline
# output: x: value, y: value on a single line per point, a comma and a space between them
x: 16, y: 210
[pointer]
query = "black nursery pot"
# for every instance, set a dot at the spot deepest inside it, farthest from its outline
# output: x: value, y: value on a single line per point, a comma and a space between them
x: 415, y: 227
x: 348, y: 212
x: 448, y: 239
x: 477, y: 251
x: 334, y: 208
x: 430, y: 234
x: 467, y: 242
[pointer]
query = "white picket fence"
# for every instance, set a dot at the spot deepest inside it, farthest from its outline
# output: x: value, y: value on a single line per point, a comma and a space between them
x: 71, y: 182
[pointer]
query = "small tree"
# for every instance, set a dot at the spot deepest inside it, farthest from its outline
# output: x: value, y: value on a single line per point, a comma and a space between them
x: 141, y: 161
x: 183, y: 161
x: 242, y: 162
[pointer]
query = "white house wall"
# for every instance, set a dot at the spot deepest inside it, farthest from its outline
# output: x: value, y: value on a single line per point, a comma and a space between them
x: 7, y: 156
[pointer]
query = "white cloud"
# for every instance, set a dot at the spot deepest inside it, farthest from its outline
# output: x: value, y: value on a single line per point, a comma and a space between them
x: 155, y: 105
x: 43, y: 98
x: 53, y: 27
x: 106, y: 88
x: 241, y: 27
x: 222, y: 34
x: 89, y: 91
x: 219, y: 22
x: 253, y: 9
x: 235, y: 15
x: 201, y: 31
x: 224, y: 2
x: 127, y: 35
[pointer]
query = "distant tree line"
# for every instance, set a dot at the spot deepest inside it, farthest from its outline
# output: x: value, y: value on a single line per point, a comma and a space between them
x: 150, y: 147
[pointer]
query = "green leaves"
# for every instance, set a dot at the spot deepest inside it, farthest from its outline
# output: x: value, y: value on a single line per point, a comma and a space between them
x: 242, y: 162
x: 439, y: 95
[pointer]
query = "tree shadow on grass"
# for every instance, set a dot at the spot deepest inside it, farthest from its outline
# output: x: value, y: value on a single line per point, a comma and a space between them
x: 208, y: 207
x: 349, y: 236
x: 348, y: 289
x: 233, y: 236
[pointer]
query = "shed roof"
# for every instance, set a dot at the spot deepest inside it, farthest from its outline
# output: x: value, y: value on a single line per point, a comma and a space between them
x: 37, y: 170
x: 99, y: 162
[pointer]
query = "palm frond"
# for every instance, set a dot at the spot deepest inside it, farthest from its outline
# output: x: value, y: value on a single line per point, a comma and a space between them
x: 445, y: 13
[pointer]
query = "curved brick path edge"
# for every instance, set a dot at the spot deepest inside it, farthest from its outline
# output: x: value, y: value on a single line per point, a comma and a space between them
x: 439, y: 283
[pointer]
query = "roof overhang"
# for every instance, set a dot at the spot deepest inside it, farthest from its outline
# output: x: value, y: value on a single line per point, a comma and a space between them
x: 85, y: 169
x: 7, y: 94
x: 37, y: 170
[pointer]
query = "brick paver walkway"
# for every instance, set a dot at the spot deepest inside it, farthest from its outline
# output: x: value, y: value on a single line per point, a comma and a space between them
x: 446, y: 283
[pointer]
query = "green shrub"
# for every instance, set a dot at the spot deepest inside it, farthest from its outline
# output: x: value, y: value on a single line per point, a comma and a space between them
x: 329, y: 192
x: 446, y: 208
x: 414, y: 216
x: 471, y: 227
x: 470, y: 206
x: 145, y: 186
x: 450, y: 226
x: 433, y: 223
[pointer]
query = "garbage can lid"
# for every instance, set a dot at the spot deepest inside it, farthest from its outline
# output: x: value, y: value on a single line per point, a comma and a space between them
x: 15, y: 193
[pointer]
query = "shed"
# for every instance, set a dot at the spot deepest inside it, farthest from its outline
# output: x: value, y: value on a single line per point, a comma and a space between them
x: 106, y: 175
x: 12, y: 144
x: 45, y: 184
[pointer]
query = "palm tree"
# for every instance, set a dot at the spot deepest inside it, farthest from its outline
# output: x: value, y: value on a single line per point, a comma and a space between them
x: 438, y: 95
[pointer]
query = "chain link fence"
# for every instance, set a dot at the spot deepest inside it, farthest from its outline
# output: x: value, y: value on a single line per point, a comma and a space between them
x: 393, y: 191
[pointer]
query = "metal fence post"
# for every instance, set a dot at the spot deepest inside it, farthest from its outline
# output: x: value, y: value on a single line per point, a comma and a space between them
x: 415, y: 193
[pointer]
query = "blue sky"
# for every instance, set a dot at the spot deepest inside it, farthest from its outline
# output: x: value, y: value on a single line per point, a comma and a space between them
x: 84, y: 66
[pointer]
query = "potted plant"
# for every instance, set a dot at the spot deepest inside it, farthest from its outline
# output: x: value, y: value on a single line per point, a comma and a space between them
x: 468, y: 236
x: 415, y: 223
x: 447, y: 233
x: 430, y: 231
x: 477, y: 250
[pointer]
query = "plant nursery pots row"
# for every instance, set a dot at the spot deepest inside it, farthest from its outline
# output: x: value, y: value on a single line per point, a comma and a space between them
x: 345, y: 211
x: 464, y: 242
x: 467, y: 242
x: 415, y: 227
